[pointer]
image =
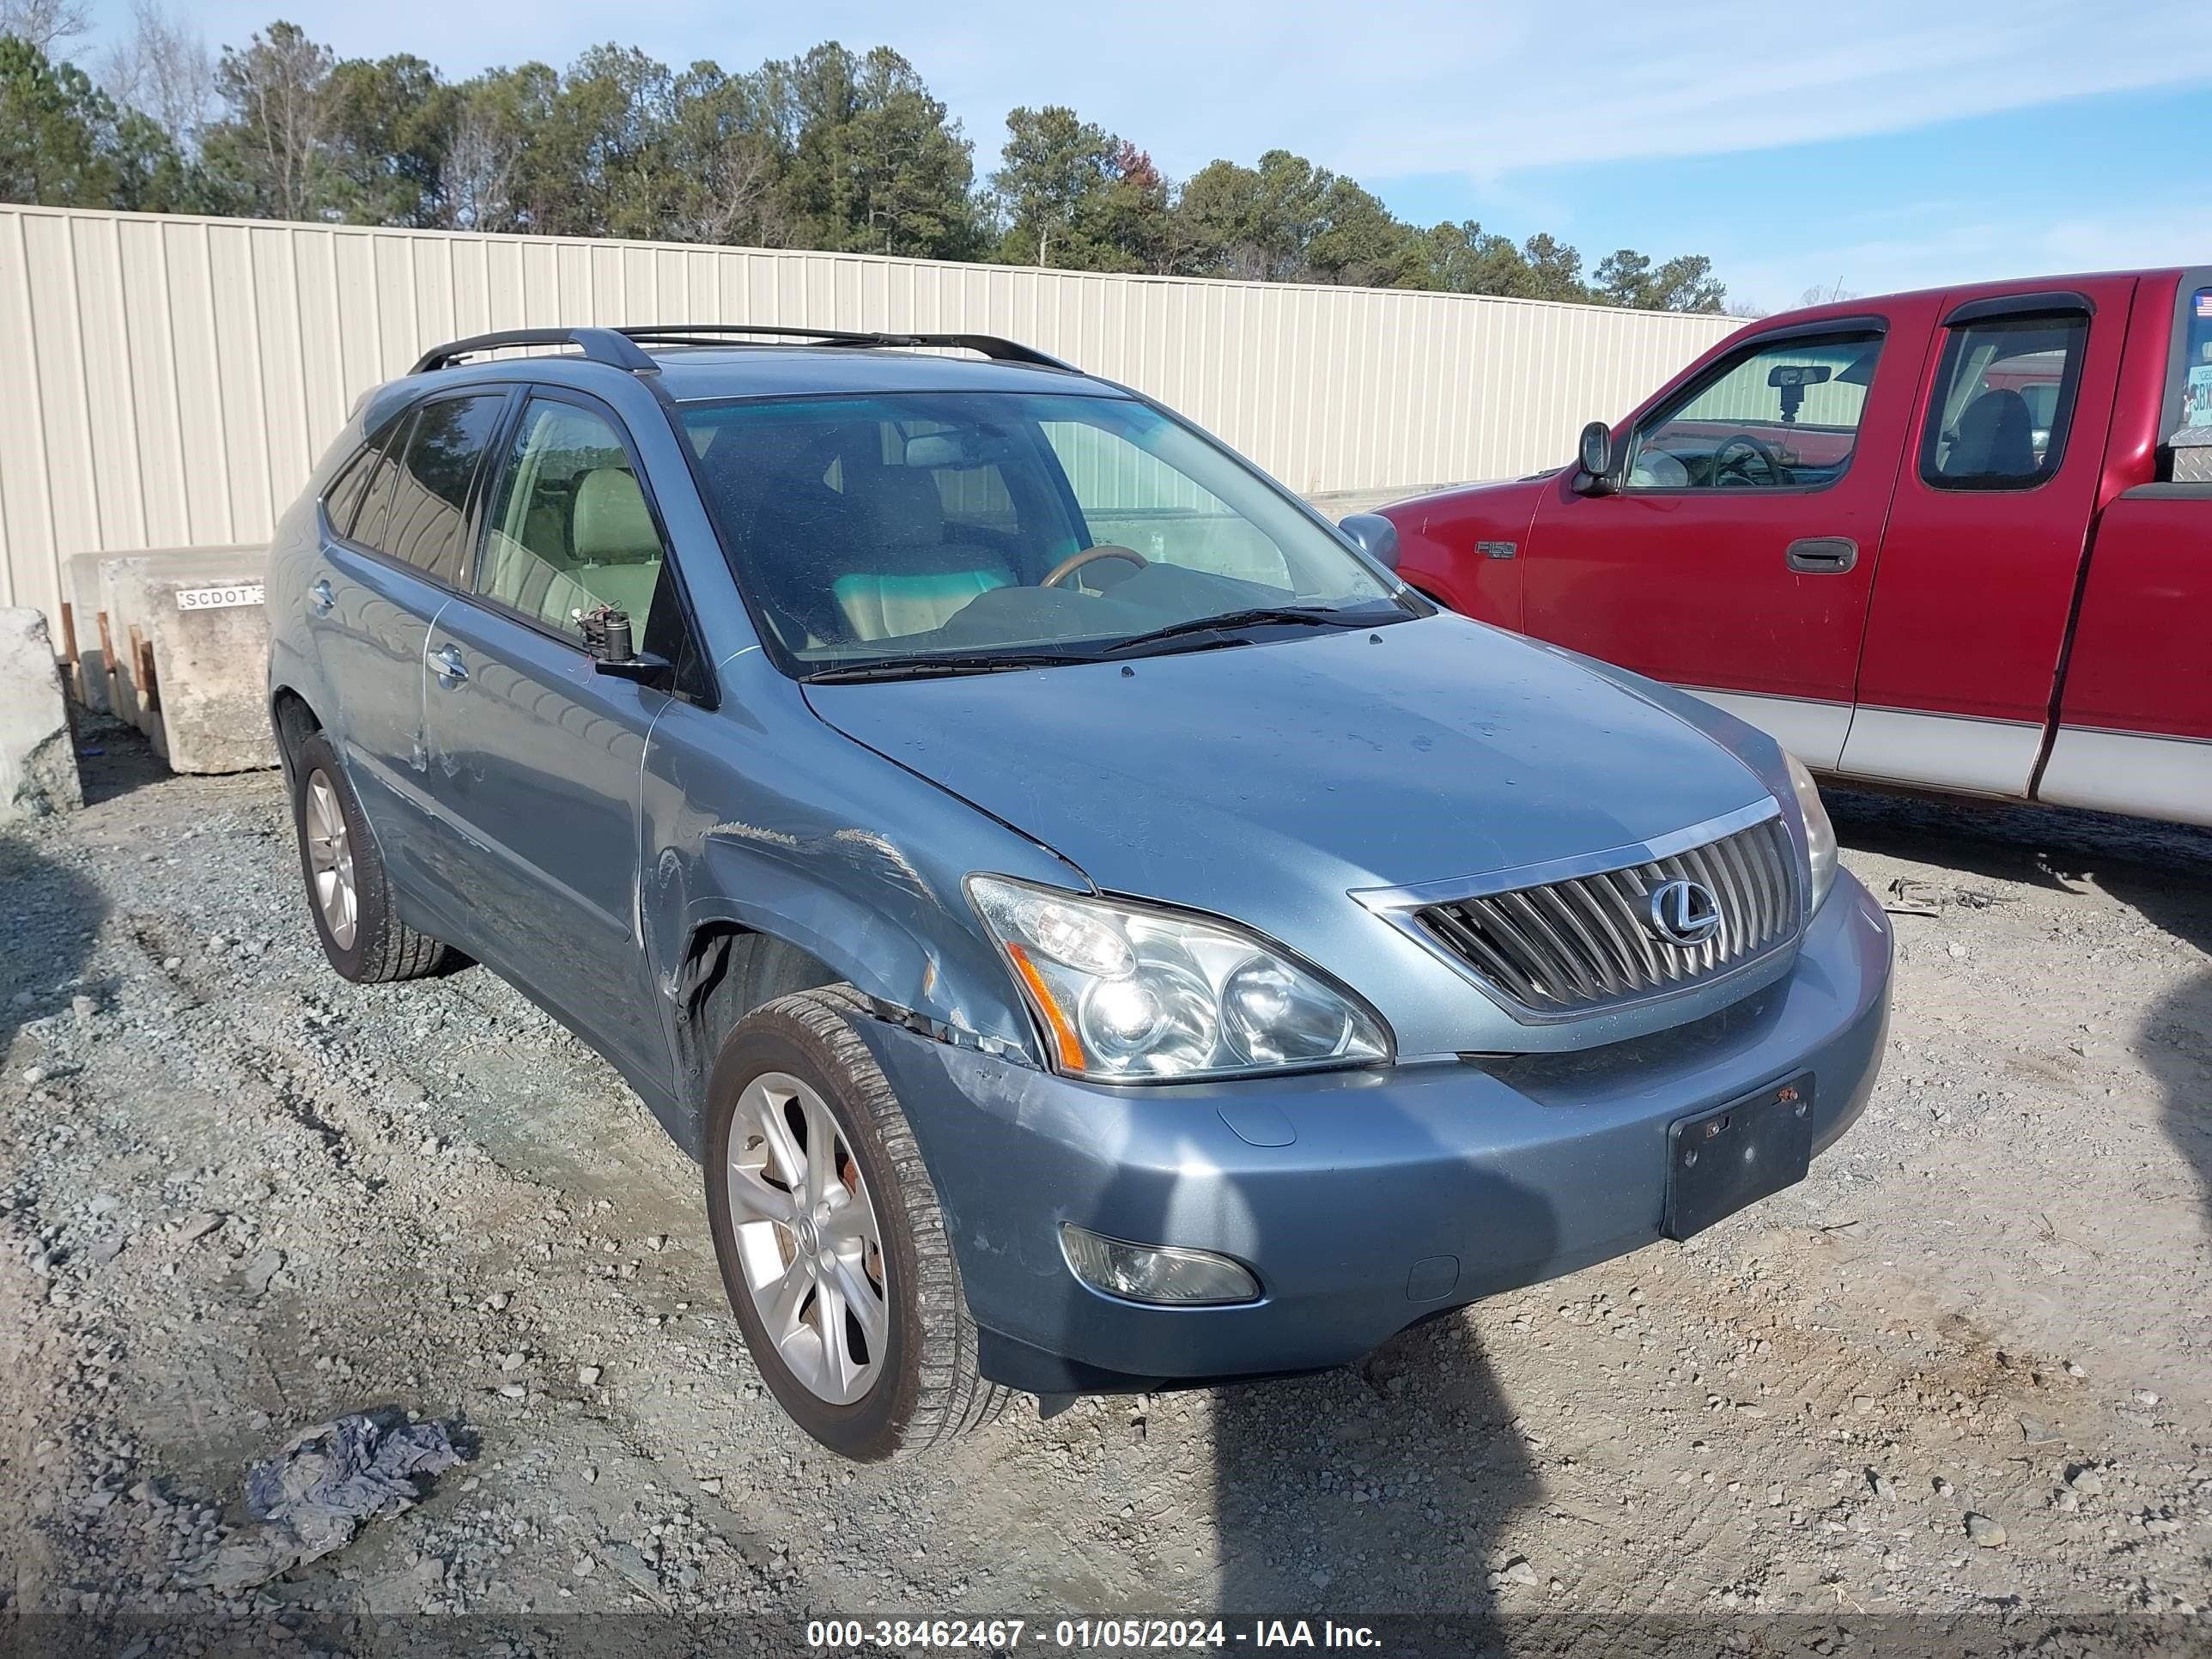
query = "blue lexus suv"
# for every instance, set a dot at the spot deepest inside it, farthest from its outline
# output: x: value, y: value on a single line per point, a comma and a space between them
x: 1095, y: 927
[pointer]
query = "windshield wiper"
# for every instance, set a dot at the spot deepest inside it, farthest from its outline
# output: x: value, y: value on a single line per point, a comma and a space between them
x: 917, y: 668
x: 1259, y: 615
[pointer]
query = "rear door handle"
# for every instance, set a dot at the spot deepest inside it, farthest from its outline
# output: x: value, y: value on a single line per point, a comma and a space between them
x: 1822, y: 555
x: 322, y: 598
x: 449, y: 668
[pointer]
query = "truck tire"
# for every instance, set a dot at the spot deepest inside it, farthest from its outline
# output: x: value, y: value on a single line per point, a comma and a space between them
x: 830, y: 1240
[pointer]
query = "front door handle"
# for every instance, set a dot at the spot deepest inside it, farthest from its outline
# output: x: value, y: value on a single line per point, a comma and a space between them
x: 449, y: 668
x: 321, y: 597
x: 1822, y: 555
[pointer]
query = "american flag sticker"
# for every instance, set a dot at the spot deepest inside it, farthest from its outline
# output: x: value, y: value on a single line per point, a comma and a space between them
x: 2204, y: 301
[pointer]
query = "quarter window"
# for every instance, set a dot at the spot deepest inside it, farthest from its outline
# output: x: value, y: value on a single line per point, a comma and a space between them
x: 429, y: 512
x: 342, y: 500
x: 2004, y: 399
x: 571, y: 530
x: 1780, y: 416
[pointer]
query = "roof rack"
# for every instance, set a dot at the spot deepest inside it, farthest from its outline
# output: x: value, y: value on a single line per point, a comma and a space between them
x: 621, y: 347
x: 989, y: 345
x: 601, y: 345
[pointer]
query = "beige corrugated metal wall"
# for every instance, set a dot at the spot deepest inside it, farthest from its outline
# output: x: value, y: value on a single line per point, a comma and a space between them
x: 170, y: 381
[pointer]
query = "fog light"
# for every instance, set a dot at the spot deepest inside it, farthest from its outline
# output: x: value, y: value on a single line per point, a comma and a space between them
x: 1154, y: 1272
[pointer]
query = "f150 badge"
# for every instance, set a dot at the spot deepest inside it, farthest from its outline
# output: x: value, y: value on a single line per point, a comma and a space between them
x: 1495, y: 549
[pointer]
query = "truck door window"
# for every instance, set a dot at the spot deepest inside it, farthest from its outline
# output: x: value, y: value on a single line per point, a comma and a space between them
x: 2004, y: 401
x: 1781, y: 416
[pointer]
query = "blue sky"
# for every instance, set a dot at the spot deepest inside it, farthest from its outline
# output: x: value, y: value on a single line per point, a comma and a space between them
x: 1884, y: 144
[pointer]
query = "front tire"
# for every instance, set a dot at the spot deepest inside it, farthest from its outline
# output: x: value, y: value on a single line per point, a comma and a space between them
x: 830, y: 1240
x: 348, y: 895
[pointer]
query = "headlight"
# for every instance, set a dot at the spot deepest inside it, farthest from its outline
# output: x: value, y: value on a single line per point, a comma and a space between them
x: 1819, y: 834
x: 1130, y: 995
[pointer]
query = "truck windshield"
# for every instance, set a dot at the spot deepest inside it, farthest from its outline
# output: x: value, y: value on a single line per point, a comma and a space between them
x: 944, y: 532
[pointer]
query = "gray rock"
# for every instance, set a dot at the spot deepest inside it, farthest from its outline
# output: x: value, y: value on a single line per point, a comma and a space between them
x: 198, y: 1226
x: 264, y: 1267
x: 1983, y: 1531
x: 2086, y: 1481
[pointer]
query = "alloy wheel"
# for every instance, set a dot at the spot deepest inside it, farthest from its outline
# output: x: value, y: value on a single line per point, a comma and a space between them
x: 330, y: 862
x: 808, y: 1239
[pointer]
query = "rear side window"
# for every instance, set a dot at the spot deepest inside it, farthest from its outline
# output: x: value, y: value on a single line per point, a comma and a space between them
x: 2197, y: 366
x: 426, y: 519
x: 2004, y: 402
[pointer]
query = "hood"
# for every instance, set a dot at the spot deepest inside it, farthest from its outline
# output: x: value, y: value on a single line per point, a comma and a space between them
x: 1264, y: 782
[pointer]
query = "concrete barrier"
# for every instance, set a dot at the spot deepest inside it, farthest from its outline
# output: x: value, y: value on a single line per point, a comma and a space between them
x: 192, y: 648
x: 38, y: 750
x: 85, y: 652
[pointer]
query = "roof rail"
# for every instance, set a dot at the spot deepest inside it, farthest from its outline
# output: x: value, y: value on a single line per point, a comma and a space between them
x: 989, y: 345
x: 601, y: 345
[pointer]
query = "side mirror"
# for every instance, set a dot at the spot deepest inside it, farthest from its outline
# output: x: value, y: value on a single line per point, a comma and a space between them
x: 643, y: 668
x: 1593, y: 455
x: 1375, y: 536
x: 606, y: 634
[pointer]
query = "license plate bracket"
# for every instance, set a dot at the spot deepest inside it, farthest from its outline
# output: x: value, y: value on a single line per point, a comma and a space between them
x: 1722, y: 1159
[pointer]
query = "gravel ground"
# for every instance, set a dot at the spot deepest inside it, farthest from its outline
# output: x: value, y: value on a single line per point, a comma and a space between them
x: 1954, y: 1387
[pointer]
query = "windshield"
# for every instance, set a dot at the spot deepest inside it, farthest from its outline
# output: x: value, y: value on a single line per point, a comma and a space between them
x: 928, y: 532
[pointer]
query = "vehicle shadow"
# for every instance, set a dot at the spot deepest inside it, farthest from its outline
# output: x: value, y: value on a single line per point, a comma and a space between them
x: 53, y: 914
x: 2161, y: 870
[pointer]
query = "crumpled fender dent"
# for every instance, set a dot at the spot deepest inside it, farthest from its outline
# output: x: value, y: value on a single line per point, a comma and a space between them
x: 761, y: 817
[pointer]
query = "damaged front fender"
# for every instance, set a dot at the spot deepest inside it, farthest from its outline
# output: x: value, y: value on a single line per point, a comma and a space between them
x: 784, y: 827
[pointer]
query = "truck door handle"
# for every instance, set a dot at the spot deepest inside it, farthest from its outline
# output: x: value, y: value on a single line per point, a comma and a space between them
x: 1822, y: 555
x: 321, y: 597
x: 449, y: 668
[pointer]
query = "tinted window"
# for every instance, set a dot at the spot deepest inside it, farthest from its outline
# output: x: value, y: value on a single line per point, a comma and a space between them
x: 369, y: 523
x: 2003, y: 400
x: 342, y: 499
x: 427, y: 516
x: 570, y: 529
x: 1783, y: 416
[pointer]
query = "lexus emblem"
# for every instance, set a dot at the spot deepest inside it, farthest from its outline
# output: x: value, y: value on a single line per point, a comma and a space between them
x: 1684, y: 913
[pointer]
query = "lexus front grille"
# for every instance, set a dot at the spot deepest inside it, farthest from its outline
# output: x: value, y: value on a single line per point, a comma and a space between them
x: 1589, y: 941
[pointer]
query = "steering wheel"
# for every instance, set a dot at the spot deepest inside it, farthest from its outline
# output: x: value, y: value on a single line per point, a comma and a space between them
x: 1776, y: 478
x: 1075, y: 562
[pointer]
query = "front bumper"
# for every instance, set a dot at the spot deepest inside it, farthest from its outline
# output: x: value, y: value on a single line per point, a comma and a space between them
x: 1365, y: 1201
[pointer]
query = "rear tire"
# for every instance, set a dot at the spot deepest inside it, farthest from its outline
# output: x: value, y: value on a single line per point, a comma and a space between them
x: 348, y: 895
x: 794, y: 1086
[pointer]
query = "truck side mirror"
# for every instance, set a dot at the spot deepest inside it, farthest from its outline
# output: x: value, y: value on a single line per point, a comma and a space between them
x: 1595, y: 458
x: 1375, y: 536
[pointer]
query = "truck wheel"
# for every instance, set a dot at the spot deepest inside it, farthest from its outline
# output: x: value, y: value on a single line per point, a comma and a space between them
x: 831, y: 1243
x: 348, y: 894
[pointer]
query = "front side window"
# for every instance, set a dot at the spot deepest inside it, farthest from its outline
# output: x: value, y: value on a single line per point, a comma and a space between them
x: 570, y: 529
x: 2003, y: 400
x: 428, y: 515
x: 952, y: 529
x: 1781, y: 416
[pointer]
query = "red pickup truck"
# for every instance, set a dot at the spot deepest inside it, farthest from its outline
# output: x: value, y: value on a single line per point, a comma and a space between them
x: 1959, y: 540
